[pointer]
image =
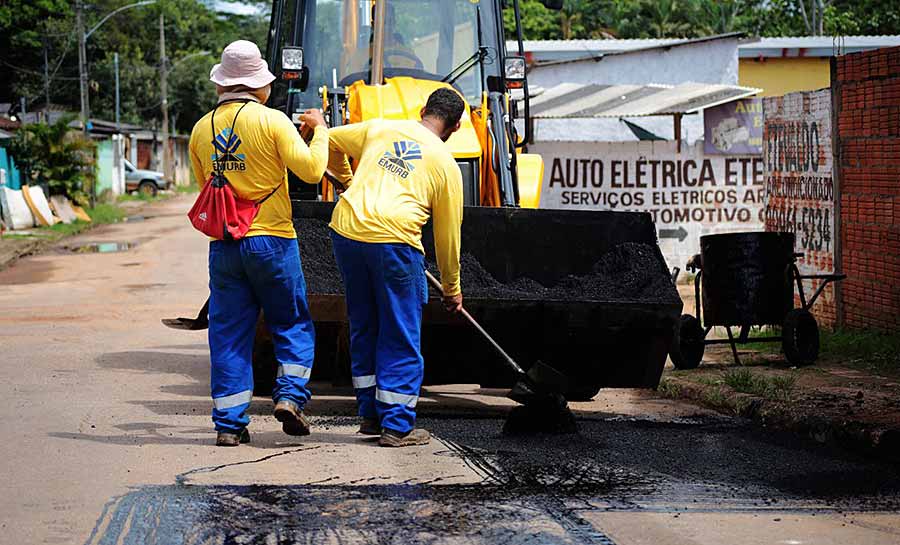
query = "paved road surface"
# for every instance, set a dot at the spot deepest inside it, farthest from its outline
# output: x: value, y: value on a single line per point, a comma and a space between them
x: 107, y: 439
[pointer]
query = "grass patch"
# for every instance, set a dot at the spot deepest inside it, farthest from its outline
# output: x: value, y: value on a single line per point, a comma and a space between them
x: 192, y: 188
x: 709, y: 381
x: 714, y: 396
x: 764, y: 347
x: 138, y: 196
x: 101, y: 214
x: 777, y: 387
x: 66, y: 229
x: 869, y: 350
x: 106, y: 213
x: 669, y: 389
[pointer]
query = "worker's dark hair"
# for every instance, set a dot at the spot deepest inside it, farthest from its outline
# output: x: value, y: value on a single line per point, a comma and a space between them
x: 446, y: 105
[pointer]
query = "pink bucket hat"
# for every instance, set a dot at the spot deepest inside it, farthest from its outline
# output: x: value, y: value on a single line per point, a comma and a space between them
x: 242, y: 64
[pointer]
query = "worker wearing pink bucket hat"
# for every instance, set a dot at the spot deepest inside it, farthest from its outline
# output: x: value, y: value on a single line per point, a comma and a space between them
x: 242, y: 64
x: 252, y: 146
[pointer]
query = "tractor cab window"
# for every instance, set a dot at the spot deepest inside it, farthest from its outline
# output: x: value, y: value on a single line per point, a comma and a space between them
x: 425, y: 39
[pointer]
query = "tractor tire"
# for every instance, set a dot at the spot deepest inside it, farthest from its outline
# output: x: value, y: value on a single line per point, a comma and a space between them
x: 800, y: 337
x: 688, y: 348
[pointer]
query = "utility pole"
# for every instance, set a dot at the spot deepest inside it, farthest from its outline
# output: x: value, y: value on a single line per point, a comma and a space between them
x: 116, y: 64
x: 82, y: 64
x: 46, y: 84
x: 164, y: 92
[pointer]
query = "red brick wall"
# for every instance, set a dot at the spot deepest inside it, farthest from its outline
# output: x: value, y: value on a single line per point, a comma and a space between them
x: 867, y: 87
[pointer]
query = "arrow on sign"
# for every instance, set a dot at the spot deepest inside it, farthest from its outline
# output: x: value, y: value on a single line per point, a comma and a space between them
x: 679, y: 233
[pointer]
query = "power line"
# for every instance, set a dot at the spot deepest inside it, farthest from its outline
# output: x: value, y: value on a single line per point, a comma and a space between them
x: 36, y: 73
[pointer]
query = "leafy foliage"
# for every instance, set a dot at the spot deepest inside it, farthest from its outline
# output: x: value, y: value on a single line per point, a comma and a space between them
x: 693, y: 18
x: 195, y: 36
x: 55, y: 155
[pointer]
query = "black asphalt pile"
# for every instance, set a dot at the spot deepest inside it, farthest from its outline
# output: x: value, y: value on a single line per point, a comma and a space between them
x: 319, y: 267
x: 629, y: 272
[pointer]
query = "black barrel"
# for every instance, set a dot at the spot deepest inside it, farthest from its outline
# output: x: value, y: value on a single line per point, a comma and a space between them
x: 746, y: 278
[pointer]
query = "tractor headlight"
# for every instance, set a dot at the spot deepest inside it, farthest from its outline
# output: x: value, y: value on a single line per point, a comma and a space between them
x: 514, y: 69
x: 292, y: 58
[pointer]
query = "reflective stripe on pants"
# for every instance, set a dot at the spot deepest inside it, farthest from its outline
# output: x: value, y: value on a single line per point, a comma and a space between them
x: 245, y: 276
x: 385, y: 290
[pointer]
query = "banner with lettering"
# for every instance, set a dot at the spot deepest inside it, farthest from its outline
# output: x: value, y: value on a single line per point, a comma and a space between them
x: 688, y: 194
x: 734, y: 128
x: 799, y: 182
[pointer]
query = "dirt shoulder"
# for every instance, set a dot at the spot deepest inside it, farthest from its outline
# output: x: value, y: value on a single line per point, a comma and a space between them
x: 17, y: 244
x: 833, y: 401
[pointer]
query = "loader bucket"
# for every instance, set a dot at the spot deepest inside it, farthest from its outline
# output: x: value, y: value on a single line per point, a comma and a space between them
x: 607, y: 341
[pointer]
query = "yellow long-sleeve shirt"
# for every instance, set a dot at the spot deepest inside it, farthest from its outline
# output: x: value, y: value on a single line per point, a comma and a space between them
x: 254, y: 159
x: 404, y: 174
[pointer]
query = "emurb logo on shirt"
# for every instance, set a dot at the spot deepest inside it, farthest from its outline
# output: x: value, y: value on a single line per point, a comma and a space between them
x: 226, y: 158
x: 400, y: 162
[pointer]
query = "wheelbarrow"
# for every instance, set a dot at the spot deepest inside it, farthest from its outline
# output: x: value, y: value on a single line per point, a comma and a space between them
x: 745, y: 280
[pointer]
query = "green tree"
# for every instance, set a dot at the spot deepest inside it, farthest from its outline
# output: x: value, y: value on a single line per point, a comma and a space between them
x: 691, y: 18
x: 538, y: 22
x: 27, y: 27
x: 56, y: 155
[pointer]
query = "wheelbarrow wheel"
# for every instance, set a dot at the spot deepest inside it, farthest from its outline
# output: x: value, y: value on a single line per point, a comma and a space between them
x: 687, y: 350
x: 800, y: 337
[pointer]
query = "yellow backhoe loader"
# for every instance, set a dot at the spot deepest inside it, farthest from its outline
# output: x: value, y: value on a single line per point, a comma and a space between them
x: 369, y: 59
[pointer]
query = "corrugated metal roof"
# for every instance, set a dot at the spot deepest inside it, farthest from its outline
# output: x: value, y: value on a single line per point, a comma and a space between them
x: 812, y: 46
x: 815, y: 46
x: 593, y: 100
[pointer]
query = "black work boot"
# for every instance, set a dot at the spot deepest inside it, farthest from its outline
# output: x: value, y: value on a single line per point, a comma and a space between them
x: 393, y: 438
x: 227, y: 439
x: 370, y: 426
x: 291, y: 417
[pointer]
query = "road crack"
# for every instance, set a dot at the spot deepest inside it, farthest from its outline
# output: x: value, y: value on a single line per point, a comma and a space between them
x: 181, y: 478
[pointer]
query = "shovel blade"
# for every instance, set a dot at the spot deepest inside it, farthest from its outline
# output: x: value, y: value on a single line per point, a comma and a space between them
x: 185, y: 324
x: 540, y: 384
x: 546, y: 379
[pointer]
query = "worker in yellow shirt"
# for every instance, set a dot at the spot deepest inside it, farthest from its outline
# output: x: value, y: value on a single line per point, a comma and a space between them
x: 405, y: 173
x: 254, y: 145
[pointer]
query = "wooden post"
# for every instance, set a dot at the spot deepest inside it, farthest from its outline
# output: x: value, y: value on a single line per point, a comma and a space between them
x: 677, y: 119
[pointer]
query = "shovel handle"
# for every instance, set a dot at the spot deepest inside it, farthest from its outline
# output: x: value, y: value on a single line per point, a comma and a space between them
x: 509, y: 361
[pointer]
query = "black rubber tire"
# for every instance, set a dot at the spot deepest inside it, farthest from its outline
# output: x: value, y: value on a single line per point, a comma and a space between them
x: 584, y: 392
x: 800, y: 337
x: 148, y: 188
x: 688, y: 347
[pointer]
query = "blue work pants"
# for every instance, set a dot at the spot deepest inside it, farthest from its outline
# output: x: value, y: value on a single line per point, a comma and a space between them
x: 244, y: 276
x: 385, y: 290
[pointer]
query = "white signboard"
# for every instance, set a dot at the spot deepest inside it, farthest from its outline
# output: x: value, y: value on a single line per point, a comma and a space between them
x: 688, y: 194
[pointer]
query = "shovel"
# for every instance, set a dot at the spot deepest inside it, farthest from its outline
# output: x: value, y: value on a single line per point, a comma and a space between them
x: 540, y: 384
x: 190, y: 324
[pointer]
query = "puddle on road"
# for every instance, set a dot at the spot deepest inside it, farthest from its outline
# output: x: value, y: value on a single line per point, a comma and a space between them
x: 102, y: 247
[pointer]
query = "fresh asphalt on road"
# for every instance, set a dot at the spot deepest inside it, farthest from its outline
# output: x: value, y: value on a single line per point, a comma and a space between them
x: 107, y: 440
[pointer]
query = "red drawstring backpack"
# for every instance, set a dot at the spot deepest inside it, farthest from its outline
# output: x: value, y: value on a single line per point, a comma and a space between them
x: 218, y: 212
